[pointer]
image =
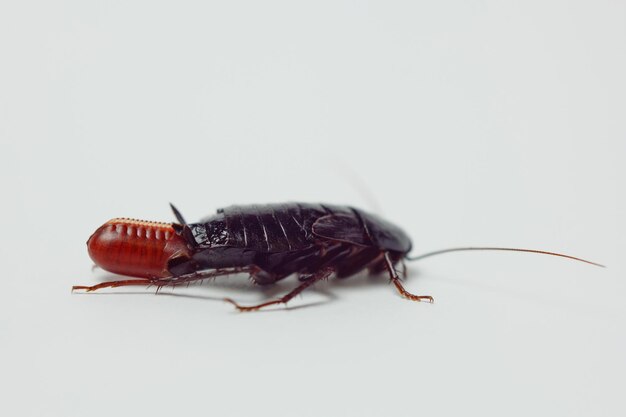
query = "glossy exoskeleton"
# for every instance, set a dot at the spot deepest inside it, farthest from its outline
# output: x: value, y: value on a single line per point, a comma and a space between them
x: 269, y: 242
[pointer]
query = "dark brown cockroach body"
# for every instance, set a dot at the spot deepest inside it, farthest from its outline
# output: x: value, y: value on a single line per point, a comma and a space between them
x: 269, y: 242
x: 283, y: 239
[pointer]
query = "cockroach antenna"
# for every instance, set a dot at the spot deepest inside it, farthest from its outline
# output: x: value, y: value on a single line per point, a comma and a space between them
x: 541, y: 252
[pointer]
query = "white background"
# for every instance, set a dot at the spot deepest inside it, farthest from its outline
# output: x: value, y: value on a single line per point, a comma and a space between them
x: 467, y: 123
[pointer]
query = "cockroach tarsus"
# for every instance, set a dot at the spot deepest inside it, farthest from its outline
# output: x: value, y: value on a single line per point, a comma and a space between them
x: 269, y: 242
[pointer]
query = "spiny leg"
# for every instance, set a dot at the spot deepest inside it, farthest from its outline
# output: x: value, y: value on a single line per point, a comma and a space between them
x: 318, y: 276
x: 162, y: 282
x: 198, y: 276
x: 113, y: 284
x: 395, y: 279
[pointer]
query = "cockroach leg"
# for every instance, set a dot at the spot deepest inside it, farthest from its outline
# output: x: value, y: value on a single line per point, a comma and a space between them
x: 198, y: 276
x: 113, y: 284
x: 163, y: 282
x: 395, y: 279
x: 318, y: 276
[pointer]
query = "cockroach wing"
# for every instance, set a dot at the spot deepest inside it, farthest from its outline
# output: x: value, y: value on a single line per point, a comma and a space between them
x: 386, y: 235
x: 341, y: 227
x: 364, y: 230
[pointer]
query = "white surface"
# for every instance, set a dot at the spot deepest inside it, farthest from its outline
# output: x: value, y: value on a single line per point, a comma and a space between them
x: 468, y: 122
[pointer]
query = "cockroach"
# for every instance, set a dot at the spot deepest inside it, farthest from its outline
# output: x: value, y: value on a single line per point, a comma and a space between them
x: 269, y: 242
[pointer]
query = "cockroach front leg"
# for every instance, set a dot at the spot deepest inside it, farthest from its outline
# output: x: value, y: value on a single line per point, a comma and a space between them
x: 318, y: 276
x: 395, y: 280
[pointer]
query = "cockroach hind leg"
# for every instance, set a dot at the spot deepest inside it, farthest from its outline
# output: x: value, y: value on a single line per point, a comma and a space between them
x: 395, y: 280
x: 162, y: 282
x: 112, y: 284
x: 318, y: 276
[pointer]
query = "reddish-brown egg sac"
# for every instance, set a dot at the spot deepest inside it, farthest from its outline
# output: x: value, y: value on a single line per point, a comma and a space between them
x: 136, y: 248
